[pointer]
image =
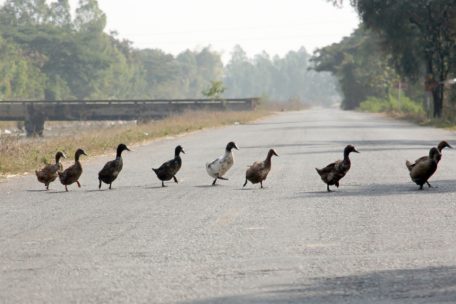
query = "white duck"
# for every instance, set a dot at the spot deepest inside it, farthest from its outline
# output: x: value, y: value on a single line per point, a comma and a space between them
x: 221, y: 165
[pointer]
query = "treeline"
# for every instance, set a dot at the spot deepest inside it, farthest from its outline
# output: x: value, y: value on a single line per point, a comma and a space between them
x: 407, y: 44
x: 46, y: 53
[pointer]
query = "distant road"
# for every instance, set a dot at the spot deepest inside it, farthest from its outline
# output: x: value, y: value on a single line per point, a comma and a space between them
x: 376, y: 239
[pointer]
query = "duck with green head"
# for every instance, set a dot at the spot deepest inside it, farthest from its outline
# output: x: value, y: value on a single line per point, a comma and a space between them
x: 112, y: 168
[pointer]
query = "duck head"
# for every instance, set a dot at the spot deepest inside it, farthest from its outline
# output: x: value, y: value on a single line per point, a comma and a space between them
x: 434, y: 154
x: 349, y: 149
x: 271, y: 153
x: 443, y: 144
x: 121, y: 148
x: 58, y: 156
x: 230, y: 146
x: 78, y: 153
x: 178, y: 150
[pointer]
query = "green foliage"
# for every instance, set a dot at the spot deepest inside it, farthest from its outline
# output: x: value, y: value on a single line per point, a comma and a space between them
x: 392, y: 104
x: 359, y: 65
x: 420, y: 35
x: 215, y: 90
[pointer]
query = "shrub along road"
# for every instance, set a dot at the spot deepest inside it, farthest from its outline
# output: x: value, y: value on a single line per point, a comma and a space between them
x: 376, y: 239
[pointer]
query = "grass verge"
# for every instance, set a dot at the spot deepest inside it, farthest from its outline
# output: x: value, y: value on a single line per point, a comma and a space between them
x: 22, y: 155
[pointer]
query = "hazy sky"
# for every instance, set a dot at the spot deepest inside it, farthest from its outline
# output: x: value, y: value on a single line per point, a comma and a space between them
x: 273, y: 26
x: 257, y: 25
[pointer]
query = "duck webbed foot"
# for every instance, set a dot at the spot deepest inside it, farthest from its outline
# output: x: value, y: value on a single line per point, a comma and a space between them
x: 261, y: 183
x: 175, y: 180
x: 429, y: 185
x: 245, y: 184
x: 213, y: 183
x: 79, y: 185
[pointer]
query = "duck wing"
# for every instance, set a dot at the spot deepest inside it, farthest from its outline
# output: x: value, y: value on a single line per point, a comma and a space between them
x: 168, y: 169
x: 111, y: 169
x: 48, y: 173
x: 71, y: 174
x: 257, y: 172
x: 213, y: 168
x: 423, y: 170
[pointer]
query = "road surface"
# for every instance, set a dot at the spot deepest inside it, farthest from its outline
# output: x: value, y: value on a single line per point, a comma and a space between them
x: 376, y: 239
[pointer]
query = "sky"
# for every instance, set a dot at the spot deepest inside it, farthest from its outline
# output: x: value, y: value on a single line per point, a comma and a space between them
x: 257, y: 25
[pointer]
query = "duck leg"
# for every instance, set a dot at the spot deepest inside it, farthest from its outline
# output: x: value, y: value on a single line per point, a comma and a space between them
x: 429, y: 185
x: 213, y: 183
x: 99, y: 185
x: 110, y: 186
x: 79, y: 185
x: 175, y: 180
x: 66, y: 188
x: 47, y: 187
x: 163, y: 184
x: 327, y: 188
x: 245, y: 183
x: 421, y: 187
x: 261, y: 183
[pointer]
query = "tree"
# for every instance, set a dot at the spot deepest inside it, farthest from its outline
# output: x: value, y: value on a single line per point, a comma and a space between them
x: 360, y: 66
x: 420, y: 36
x: 215, y: 90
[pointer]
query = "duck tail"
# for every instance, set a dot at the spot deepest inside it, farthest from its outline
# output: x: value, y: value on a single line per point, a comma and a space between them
x: 409, y: 165
x: 155, y: 170
x: 318, y: 171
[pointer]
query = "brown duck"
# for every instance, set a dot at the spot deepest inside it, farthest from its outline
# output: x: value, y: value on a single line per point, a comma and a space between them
x: 421, y: 171
x: 71, y: 174
x: 49, y: 173
x: 442, y: 145
x: 334, y: 172
x: 259, y: 170
x: 112, y: 168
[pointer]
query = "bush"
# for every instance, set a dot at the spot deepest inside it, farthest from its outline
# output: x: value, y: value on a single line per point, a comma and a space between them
x: 392, y: 104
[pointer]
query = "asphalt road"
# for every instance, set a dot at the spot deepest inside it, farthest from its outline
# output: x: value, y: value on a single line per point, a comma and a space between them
x: 376, y: 239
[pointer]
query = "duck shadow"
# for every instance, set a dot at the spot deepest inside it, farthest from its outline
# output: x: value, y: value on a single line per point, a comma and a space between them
x: 35, y: 190
x: 209, y: 186
x: 416, y: 285
x: 379, y: 190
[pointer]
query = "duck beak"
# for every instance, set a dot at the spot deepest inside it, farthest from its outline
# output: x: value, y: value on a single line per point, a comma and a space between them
x: 183, y: 151
x: 450, y: 146
x: 127, y: 149
x: 84, y: 154
x: 356, y: 151
x: 236, y: 147
x: 276, y: 154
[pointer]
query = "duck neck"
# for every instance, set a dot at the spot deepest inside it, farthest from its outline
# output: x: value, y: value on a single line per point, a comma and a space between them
x: 268, y: 160
x: 346, y: 155
x: 119, y: 154
x: 57, y: 158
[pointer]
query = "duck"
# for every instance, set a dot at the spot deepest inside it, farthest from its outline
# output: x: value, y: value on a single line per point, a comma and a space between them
x: 112, y: 168
x: 442, y: 145
x: 421, y: 171
x: 221, y: 165
x: 48, y: 174
x: 258, y: 171
x: 71, y: 174
x: 169, y: 169
x: 334, y: 172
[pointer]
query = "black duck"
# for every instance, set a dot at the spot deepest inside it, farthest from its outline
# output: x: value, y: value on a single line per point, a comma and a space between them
x: 258, y: 172
x: 421, y: 171
x: 71, y: 174
x: 334, y: 172
x: 112, y: 168
x: 49, y: 173
x: 168, y: 170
